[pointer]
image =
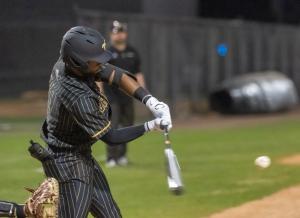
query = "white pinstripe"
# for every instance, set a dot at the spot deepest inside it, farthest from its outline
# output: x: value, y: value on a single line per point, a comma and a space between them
x: 109, y: 210
x: 100, y: 183
x: 78, y: 196
x: 70, y: 202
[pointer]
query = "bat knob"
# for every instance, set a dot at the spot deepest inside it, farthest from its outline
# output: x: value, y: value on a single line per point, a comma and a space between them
x: 164, y: 125
x: 167, y: 142
x: 178, y: 191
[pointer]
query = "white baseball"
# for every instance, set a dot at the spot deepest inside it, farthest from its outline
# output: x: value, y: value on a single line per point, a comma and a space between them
x: 263, y: 161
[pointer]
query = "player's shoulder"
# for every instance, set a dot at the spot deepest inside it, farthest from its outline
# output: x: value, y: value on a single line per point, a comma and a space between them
x: 70, y: 97
x: 58, y: 71
x: 72, y: 90
x: 59, y: 64
x: 67, y: 87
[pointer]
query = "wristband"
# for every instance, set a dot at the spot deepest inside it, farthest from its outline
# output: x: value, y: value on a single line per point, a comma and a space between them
x: 141, y: 94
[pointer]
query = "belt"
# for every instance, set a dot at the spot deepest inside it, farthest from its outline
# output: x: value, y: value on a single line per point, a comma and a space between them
x: 57, y: 149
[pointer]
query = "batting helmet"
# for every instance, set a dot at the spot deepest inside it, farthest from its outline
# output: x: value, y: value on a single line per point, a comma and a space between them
x: 82, y: 44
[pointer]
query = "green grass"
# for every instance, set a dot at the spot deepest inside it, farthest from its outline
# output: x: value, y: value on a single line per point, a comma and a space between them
x: 217, y: 165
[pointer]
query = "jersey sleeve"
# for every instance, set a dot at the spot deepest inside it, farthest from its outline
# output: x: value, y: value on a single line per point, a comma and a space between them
x: 91, y: 116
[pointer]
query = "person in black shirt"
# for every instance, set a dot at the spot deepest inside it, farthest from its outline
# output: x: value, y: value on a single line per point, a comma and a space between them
x: 127, y: 58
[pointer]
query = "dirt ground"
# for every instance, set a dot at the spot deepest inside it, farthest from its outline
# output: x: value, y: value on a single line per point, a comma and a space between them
x: 283, y: 204
x: 291, y: 160
x: 22, y: 109
x: 214, y: 120
x: 34, y: 105
x: 30, y: 105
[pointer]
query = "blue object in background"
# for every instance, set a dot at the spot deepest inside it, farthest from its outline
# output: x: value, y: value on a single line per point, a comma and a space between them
x: 222, y: 49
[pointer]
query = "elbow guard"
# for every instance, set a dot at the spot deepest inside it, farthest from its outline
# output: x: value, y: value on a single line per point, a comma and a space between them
x: 117, y: 75
x: 112, y: 75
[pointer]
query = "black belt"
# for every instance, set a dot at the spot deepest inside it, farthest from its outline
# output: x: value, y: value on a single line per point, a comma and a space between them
x: 57, y: 149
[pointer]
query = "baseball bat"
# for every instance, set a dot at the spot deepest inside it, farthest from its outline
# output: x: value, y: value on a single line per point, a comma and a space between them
x: 173, y: 169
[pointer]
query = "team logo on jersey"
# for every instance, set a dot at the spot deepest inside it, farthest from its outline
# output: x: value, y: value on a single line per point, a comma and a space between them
x: 104, y: 45
x: 103, y: 103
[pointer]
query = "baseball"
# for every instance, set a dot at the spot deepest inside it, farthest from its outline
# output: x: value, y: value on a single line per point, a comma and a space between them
x: 262, y: 161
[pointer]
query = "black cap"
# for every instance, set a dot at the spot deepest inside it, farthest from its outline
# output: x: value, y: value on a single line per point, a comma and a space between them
x: 82, y: 44
x: 118, y: 27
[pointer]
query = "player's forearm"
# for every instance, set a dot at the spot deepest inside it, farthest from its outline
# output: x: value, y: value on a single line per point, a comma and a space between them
x: 123, y: 135
x: 133, y: 88
x: 127, y: 134
x: 11, y: 209
x: 125, y: 81
x: 159, y: 109
x: 128, y: 84
x: 140, y: 79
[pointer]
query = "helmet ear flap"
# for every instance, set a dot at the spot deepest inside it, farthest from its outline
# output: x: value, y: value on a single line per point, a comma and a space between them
x: 76, y: 63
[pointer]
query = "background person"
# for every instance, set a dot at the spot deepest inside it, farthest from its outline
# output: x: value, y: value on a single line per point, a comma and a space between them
x: 127, y: 58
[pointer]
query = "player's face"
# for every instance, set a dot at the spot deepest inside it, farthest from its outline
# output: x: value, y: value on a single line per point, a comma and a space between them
x: 119, y: 37
x: 93, y: 67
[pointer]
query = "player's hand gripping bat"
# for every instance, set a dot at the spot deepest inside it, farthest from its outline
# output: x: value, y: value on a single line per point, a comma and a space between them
x: 173, y: 168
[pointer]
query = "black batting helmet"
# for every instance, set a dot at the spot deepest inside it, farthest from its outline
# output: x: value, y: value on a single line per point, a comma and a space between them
x: 82, y: 44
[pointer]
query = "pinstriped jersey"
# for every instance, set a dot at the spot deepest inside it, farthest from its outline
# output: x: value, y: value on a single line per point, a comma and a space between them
x: 78, y: 114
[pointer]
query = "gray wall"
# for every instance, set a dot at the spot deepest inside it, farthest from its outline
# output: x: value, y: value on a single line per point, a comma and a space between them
x: 179, y: 55
x: 28, y: 51
x: 171, y: 7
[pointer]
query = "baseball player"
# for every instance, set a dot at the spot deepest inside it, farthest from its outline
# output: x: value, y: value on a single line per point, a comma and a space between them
x: 78, y: 114
x: 127, y: 58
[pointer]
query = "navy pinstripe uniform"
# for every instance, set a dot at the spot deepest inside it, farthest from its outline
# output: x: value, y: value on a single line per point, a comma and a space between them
x: 77, y: 116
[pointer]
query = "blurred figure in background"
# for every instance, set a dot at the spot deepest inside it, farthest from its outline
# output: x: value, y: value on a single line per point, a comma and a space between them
x: 125, y: 57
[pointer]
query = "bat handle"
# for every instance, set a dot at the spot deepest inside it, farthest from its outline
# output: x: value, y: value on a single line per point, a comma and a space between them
x: 166, y: 129
x: 166, y: 132
x: 167, y: 137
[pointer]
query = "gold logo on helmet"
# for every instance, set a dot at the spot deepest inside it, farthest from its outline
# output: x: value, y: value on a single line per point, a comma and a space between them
x: 104, y: 45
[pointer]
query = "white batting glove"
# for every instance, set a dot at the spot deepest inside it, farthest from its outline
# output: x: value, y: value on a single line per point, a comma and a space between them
x: 157, y: 124
x: 159, y: 110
